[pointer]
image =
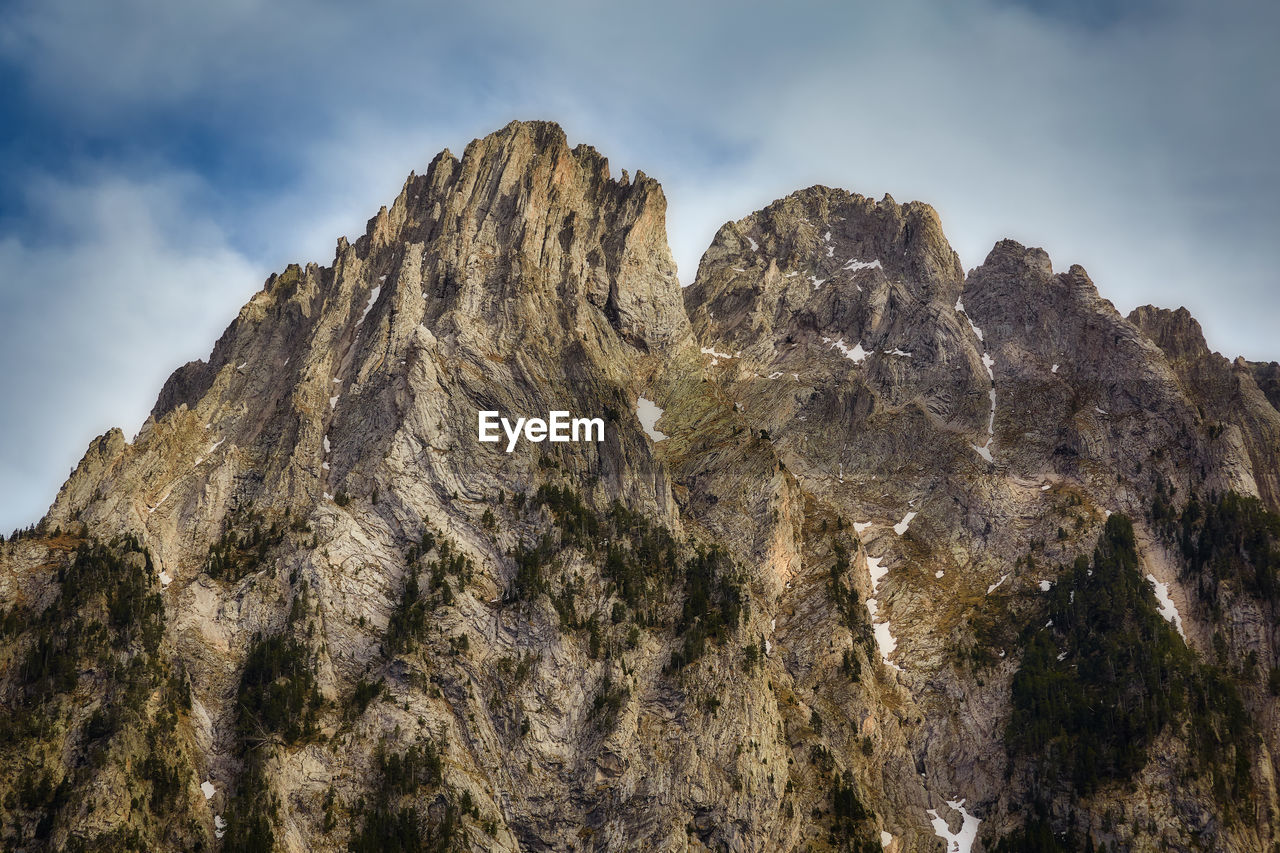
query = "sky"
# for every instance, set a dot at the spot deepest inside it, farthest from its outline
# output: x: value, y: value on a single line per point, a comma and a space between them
x: 160, y: 159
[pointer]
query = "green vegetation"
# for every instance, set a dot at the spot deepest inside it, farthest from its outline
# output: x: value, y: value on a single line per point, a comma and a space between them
x: 391, y: 822
x: 245, y: 542
x: 853, y: 613
x: 1105, y: 674
x: 277, y: 698
x: 1227, y: 539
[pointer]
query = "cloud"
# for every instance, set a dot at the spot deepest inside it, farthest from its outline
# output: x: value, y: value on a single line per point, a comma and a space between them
x: 92, y: 323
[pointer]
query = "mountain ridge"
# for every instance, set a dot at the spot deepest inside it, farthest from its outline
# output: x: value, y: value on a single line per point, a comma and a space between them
x: 793, y: 621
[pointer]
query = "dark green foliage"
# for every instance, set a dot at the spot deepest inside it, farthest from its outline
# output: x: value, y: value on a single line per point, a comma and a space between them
x: 391, y: 823
x: 363, y: 694
x: 408, y: 623
x: 1098, y: 684
x: 847, y: 817
x: 1229, y: 539
x: 277, y: 695
x: 713, y: 603
x: 245, y: 542
x: 578, y: 523
x: 608, y: 703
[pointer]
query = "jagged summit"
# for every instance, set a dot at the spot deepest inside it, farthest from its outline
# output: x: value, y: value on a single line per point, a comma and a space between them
x: 871, y: 553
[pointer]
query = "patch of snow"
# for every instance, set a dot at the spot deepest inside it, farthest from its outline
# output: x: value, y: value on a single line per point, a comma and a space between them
x: 831, y: 251
x: 876, y: 571
x: 326, y: 444
x: 896, y: 351
x: 754, y: 245
x: 768, y: 647
x: 337, y: 381
x: 938, y: 574
x: 957, y: 842
x: 773, y: 624
x: 988, y: 362
x: 791, y: 275
x: 1045, y: 586
x: 737, y: 269
x: 206, y: 787
x: 324, y: 465
x: 649, y: 413
x: 219, y: 826
x: 854, y: 265
x: 901, y: 527
x: 1168, y: 609
x: 996, y: 585
x: 1046, y: 487
x: 827, y: 237
x: 984, y: 451
x: 1099, y: 411
x: 242, y: 365
x: 817, y: 282
x: 165, y: 580
x: 858, y: 526
x: 333, y: 402
x: 885, y: 839
x: 1062, y: 655
x: 856, y: 355
x: 1053, y: 369
x: 216, y: 444
x: 373, y: 297
x: 328, y: 496
x: 775, y: 374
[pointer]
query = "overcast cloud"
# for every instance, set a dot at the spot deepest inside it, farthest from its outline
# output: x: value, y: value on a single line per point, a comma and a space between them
x: 162, y: 158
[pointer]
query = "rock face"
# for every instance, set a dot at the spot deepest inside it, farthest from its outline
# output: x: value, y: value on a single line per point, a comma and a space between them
x: 792, y: 613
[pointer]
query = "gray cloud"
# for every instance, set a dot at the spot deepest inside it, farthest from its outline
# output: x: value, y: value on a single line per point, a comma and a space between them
x: 1139, y: 144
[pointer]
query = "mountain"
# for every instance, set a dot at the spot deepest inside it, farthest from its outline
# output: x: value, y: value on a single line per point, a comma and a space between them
x: 871, y: 554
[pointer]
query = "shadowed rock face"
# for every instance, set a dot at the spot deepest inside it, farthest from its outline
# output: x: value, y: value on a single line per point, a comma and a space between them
x: 849, y: 420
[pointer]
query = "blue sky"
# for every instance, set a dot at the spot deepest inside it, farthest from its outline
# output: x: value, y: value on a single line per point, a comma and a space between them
x: 162, y: 158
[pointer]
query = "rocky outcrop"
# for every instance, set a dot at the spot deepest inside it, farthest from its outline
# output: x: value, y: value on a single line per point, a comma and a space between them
x: 778, y: 607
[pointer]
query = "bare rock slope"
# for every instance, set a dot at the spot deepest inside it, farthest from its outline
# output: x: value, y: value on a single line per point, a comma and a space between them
x: 908, y: 558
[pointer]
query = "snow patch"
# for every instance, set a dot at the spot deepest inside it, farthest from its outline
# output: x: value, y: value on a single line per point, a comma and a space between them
x: 883, y: 631
x: 938, y: 574
x: 206, y: 787
x: 373, y: 297
x: 165, y: 580
x: 333, y: 402
x: 858, y: 526
x: 649, y: 413
x: 957, y: 842
x: 1168, y: 609
x: 1045, y: 586
x: 901, y: 527
x: 856, y: 355
x: 326, y: 444
x: 896, y: 351
x: 854, y: 265
x: 755, y: 247
x: 219, y: 826
x: 885, y: 839
x: 996, y: 585
x: 817, y: 282
x: 1053, y: 369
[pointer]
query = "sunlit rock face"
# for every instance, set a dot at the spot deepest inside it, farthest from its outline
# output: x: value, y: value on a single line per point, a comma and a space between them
x: 789, y: 600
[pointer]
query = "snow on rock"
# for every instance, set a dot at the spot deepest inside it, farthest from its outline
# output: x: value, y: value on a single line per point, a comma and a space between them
x: 219, y: 826
x: 326, y: 444
x: 984, y: 451
x: 857, y: 354
x: 883, y: 631
x: 755, y: 247
x: 961, y: 841
x: 649, y: 413
x: 939, y: 573
x: 1045, y: 586
x: 901, y: 527
x: 206, y: 787
x: 1168, y: 609
x: 715, y: 356
x: 817, y: 282
x: 996, y: 585
x: 373, y: 297
x: 854, y: 265
x: 333, y: 403
x: 1053, y: 369
x: 165, y: 580
x: 885, y: 839
x: 859, y: 526
x: 897, y: 351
